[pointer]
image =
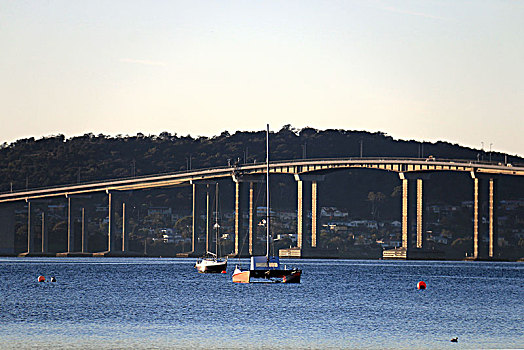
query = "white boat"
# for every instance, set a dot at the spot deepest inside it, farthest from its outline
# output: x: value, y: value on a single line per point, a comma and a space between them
x: 266, y: 267
x: 211, y: 263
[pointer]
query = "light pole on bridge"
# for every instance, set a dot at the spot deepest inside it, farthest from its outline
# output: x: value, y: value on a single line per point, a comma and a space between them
x: 188, y: 161
x: 246, y: 154
x: 304, y: 150
x: 133, y: 168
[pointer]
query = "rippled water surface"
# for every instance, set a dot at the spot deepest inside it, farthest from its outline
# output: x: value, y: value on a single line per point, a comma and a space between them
x: 164, y: 303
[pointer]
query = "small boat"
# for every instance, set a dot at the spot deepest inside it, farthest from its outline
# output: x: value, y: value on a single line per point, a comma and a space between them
x: 211, y: 263
x: 266, y: 267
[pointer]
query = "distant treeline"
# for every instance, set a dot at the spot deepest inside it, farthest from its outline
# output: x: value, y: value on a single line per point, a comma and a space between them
x: 56, y: 160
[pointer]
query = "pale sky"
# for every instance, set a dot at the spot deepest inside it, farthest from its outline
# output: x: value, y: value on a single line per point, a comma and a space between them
x: 423, y: 70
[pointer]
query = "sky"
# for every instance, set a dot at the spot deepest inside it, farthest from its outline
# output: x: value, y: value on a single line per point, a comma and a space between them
x: 421, y: 70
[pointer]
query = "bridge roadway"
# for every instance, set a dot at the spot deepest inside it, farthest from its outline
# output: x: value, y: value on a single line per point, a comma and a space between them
x: 304, y: 170
x: 303, y: 166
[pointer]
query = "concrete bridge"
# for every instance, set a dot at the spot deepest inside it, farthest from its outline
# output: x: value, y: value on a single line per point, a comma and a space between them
x: 307, y: 172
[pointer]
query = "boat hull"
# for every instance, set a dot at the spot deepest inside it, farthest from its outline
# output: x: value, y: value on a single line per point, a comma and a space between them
x: 284, y: 276
x: 294, y: 277
x: 241, y: 276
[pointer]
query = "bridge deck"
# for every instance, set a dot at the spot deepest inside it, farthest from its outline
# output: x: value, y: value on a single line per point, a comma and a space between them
x: 303, y: 166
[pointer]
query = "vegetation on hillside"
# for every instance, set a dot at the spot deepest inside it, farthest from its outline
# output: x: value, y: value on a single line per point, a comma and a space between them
x: 366, y: 194
x: 55, y: 160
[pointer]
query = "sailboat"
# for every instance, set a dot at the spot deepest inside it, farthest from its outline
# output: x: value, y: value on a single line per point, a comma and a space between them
x: 266, y: 267
x: 211, y: 263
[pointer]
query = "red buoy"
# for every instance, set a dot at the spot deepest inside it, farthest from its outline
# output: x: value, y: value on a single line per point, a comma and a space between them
x: 421, y: 285
x: 223, y: 271
x: 41, y: 279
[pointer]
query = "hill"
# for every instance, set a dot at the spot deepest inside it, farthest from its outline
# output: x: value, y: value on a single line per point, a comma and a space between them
x: 55, y: 160
x: 364, y: 194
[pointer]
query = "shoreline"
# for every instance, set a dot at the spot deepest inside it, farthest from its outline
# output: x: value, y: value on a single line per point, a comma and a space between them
x: 136, y: 255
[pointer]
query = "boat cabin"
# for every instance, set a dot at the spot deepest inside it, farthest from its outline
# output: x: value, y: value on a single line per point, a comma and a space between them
x: 265, y: 263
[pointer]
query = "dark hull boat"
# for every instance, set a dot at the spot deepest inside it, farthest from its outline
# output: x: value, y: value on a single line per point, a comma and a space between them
x: 266, y: 267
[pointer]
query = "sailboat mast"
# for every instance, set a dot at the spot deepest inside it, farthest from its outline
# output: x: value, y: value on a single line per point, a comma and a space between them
x: 267, y: 191
x: 216, y: 220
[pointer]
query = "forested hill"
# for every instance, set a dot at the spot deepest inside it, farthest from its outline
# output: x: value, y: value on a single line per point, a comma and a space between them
x: 55, y: 160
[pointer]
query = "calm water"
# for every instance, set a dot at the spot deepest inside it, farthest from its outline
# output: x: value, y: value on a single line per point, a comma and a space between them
x: 164, y: 303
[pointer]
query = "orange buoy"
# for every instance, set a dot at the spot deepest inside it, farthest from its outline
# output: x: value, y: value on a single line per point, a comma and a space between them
x: 41, y: 279
x: 421, y: 285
